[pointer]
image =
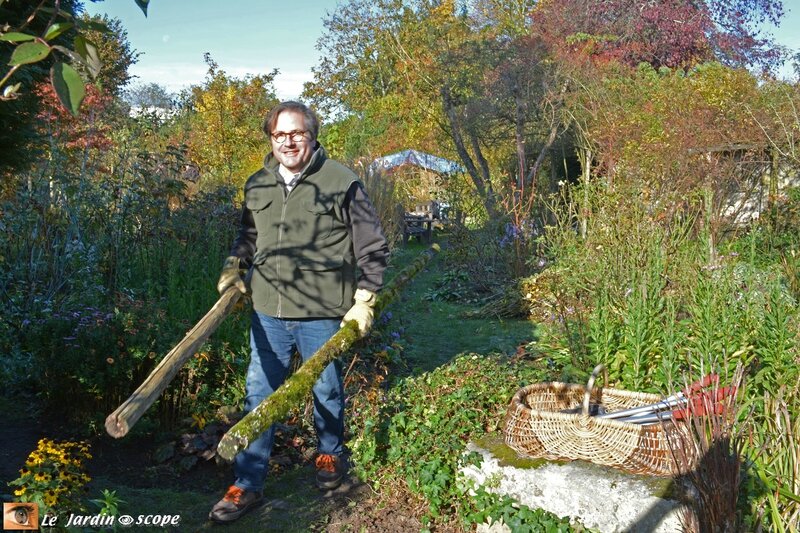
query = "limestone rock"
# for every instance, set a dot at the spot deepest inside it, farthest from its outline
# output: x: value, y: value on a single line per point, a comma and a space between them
x: 599, y: 497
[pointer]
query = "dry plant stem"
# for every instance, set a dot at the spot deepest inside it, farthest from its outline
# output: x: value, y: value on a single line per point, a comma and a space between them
x: 714, y: 474
x: 298, y: 386
x: 126, y: 415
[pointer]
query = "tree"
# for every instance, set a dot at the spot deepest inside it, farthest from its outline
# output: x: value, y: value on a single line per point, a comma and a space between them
x: 20, y: 48
x: 149, y: 95
x: 114, y: 50
x: 408, y: 68
x: 672, y: 33
x: 225, y: 118
x: 40, y: 34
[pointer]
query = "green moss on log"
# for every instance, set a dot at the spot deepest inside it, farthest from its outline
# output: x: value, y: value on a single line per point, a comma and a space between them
x: 298, y: 386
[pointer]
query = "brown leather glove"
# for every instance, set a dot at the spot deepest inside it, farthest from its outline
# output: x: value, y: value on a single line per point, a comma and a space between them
x: 231, y: 276
x: 362, y: 311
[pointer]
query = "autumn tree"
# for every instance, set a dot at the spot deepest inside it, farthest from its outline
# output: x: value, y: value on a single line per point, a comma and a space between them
x: 224, y: 124
x: 421, y: 69
x: 495, y: 78
x: 672, y: 33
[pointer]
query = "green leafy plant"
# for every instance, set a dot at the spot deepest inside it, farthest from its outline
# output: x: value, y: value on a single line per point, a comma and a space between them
x: 500, y: 509
x: 417, y: 435
x: 453, y: 285
x: 109, y: 504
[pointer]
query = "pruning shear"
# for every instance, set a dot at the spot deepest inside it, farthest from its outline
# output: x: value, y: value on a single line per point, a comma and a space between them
x: 701, y: 398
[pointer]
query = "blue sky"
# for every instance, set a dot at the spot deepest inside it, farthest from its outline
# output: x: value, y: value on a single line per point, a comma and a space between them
x: 243, y: 37
x: 254, y: 37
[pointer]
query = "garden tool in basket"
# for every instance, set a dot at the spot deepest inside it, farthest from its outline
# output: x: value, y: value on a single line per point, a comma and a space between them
x: 701, y: 398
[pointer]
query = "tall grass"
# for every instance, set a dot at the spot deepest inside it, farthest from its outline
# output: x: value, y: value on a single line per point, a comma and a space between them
x: 645, y: 295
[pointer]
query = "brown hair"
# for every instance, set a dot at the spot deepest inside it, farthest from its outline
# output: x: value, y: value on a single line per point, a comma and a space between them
x: 309, y: 117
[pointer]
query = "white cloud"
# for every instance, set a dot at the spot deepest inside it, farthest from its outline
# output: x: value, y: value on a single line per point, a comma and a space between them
x: 289, y: 84
x: 173, y: 76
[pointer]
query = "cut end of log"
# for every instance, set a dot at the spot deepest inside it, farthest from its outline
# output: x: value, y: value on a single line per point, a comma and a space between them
x: 115, y: 427
x: 229, y: 446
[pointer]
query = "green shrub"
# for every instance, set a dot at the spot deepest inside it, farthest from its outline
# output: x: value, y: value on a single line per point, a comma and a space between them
x: 99, y: 285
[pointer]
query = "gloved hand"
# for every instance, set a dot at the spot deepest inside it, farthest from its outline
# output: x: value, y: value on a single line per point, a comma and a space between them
x: 231, y: 276
x: 362, y: 311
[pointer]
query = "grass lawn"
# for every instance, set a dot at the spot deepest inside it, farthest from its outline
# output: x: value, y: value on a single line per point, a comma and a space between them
x: 434, y: 330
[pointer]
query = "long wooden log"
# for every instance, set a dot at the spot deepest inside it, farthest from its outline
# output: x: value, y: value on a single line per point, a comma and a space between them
x: 275, y: 407
x: 126, y: 415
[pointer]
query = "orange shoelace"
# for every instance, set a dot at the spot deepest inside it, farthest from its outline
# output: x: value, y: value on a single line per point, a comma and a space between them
x: 326, y: 462
x: 234, y: 494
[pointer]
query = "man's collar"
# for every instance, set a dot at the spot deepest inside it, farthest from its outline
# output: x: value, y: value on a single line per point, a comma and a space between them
x: 287, y: 175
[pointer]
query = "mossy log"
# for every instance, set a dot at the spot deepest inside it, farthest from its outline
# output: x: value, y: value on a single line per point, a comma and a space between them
x: 298, y: 386
x: 126, y: 415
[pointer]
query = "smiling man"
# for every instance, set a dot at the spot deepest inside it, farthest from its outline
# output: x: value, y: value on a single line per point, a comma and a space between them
x: 314, y: 253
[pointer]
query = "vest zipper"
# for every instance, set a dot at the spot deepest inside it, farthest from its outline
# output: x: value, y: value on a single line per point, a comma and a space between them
x: 278, y: 258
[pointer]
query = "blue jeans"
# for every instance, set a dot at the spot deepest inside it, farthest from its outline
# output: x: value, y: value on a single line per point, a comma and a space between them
x: 273, y: 342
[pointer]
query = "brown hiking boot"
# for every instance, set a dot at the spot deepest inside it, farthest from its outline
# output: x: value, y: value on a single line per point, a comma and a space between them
x: 330, y: 469
x: 234, y: 504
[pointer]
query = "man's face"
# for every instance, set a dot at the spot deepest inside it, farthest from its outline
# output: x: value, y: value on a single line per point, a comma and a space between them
x: 294, y: 155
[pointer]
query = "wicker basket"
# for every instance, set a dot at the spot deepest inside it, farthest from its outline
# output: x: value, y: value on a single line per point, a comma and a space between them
x: 536, y: 427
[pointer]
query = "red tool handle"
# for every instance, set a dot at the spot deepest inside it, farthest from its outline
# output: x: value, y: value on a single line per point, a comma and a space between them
x: 701, y: 384
x: 705, y: 403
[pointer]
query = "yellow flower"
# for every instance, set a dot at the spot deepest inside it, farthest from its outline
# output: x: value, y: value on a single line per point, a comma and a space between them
x: 38, y: 477
x: 19, y: 492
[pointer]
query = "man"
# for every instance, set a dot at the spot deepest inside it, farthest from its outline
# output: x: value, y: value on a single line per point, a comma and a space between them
x: 306, y: 225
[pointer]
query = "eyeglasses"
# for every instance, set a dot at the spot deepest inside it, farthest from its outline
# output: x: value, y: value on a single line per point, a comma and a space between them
x: 296, y: 136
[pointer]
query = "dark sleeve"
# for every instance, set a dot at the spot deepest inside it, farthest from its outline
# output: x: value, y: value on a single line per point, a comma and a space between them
x: 369, y: 243
x: 244, y: 246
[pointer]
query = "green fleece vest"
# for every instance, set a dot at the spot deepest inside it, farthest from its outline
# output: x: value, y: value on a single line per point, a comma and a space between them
x: 304, y: 266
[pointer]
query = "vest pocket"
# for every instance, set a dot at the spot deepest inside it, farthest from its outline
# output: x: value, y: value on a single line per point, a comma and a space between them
x: 257, y: 199
x: 322, y: 215
x: 322, y: 281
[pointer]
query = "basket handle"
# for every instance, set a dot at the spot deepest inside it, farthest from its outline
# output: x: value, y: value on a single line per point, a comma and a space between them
x: 590, y: 386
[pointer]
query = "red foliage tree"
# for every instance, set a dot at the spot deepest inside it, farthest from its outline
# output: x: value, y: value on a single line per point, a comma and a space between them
x: 87, y: 130
x: 671, y: 33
